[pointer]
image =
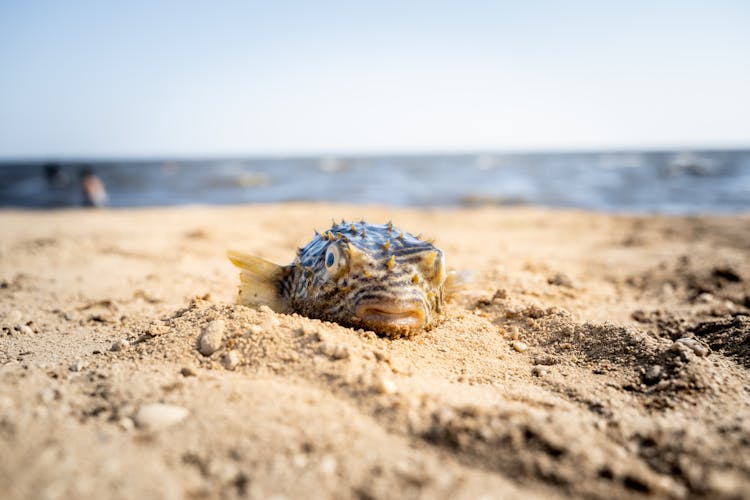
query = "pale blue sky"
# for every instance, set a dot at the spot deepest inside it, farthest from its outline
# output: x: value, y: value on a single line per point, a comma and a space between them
x: 148, y: 78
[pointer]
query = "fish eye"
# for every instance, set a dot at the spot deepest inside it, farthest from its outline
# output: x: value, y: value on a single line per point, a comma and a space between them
x: 334, y: 260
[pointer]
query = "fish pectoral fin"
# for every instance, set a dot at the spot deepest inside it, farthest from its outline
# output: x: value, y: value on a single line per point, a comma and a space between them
x: 259, y: 281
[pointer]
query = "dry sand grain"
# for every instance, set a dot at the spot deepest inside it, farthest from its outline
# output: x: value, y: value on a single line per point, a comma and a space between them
x: 592, y: 355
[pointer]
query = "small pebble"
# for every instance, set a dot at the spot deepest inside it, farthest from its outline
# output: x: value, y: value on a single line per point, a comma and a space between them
x: 211, y: 338
x: 519, y: 346
x: 119, y: 345
x: 538, y: 371
x: 653, y: 374
x: 231, y: 360
x: 187, y: 372
x: 157, y: 416
x: 696, y: 346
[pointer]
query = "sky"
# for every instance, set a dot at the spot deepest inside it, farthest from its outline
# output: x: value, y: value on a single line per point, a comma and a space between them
x: 199, y: 78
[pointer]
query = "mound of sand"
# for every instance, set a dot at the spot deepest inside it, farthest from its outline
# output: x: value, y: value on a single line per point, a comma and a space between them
x: 591, y: 355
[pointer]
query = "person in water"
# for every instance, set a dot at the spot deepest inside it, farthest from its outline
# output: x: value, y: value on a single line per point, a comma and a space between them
x: 94, y: 192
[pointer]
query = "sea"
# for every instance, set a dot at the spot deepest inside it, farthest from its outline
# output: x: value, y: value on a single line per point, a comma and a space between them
x: 668, y: 182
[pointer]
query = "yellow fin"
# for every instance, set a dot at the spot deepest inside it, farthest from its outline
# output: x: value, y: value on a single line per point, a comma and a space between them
x: 259, y: 281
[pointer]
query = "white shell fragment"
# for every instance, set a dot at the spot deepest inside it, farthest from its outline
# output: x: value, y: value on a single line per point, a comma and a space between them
x: 231, y: 360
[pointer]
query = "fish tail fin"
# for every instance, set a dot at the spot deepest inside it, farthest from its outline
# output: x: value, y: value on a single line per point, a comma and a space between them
x: 259, y: 281
x: 455, y: 283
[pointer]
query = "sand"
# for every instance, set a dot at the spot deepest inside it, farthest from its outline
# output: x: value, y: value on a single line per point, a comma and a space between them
x: 590, y: 356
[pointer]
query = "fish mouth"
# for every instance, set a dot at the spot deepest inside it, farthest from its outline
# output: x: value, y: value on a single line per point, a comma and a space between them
x: 388, y: 317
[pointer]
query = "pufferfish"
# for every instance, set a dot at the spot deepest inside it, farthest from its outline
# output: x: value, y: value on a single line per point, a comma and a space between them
x: 359, y: 275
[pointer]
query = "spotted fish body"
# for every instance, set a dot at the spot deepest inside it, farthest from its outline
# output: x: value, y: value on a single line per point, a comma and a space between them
x: 360, y: 275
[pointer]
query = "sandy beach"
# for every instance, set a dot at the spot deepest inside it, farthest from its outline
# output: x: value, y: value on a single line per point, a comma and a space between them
x: 590, y: 355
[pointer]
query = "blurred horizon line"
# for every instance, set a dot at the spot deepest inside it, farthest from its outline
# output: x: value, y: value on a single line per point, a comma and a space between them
x: 384, y: 153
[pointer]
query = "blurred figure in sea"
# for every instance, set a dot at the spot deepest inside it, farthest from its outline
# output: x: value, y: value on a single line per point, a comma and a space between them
x: 94, y: 192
